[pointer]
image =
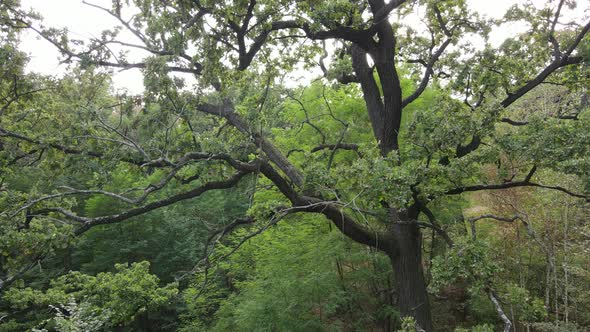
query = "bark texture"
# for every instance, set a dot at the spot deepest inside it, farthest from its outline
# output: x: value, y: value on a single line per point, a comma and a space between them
x: 410, y: 285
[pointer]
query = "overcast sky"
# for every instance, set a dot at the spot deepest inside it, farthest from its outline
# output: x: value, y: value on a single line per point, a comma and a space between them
x: 84, y: 21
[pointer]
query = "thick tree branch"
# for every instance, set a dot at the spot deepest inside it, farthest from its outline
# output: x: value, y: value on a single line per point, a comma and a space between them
x: 371, y: 93
x: 243, y: 169
x: 177, y: 167
x: 565, y: 59
x: 524, y: 123
x: 514, y: 122
x: 115, y: 218
x: 490, y: 216
x: 341, y: 220
x: 348, y: 226
x: 359, y: 37
x: 273, y: 153
x: 551, y: 37
x: 433, y: 223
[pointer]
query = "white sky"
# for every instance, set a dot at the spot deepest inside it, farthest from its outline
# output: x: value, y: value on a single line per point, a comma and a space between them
x: 84, y: 21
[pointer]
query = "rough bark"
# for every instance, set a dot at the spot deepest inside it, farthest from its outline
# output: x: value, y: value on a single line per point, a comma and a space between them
x: 410, y: 286
x: 384, y: 107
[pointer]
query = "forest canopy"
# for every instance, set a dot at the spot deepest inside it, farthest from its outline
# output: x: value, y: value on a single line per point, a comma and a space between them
x: 418, y: 177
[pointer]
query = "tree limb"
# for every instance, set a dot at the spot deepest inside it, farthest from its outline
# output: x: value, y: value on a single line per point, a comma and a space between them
x: 492, y: 296
x: 63, y: 148
x: 272, y: 152
x: 514, y: 184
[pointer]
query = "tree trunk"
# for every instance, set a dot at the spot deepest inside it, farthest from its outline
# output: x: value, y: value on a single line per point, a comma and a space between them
x: 410, y: 285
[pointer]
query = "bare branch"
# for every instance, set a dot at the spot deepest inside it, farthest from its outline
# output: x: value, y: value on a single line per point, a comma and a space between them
x: 515, y: 184
x: 342, y: 146
x: 65, y: 149
x: 488, y: 216
x: 507, y: 323
x: 514, y: 122
x: 551, y: 36
x: 427, y: 74
x: 69, y: 214
x: 120, y: 64
x: 524, y: 123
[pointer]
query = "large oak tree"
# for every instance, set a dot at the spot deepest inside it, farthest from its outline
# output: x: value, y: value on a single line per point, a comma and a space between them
x: 227, y: 128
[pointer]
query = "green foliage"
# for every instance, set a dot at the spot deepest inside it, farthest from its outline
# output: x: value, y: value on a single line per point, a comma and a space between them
x: 298, y: 275
x: 469, y: 261
x: 75, y: 317
x: 528, y: 308
x: 71, y: 149
x: 114, y: 299
x: 408, y: 324
x: 481, y: 309
x: 478, y: 328
x: 557, y: 327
